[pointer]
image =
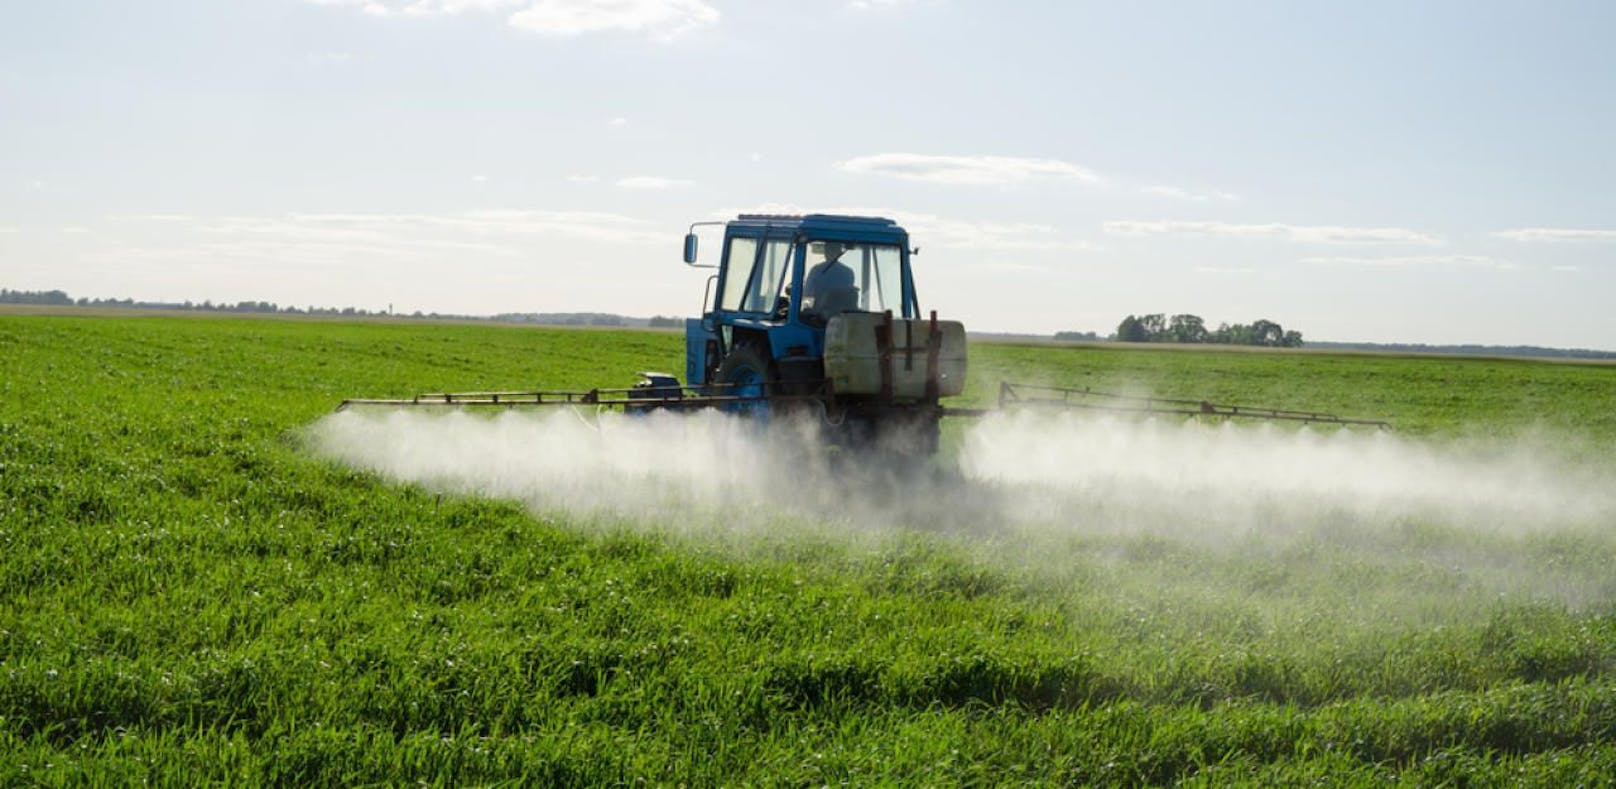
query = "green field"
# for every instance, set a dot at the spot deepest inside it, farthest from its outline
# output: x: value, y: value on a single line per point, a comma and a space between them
x: 190, y: 593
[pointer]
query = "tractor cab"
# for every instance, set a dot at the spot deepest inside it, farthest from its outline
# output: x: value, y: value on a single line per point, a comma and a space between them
x: 780, y: 281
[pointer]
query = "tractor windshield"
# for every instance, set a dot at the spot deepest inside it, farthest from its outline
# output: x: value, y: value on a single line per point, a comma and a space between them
x: 845, y: 276
x: 754, y: 281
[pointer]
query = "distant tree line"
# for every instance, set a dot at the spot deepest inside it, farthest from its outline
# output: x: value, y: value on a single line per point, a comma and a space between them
x: 1158, y: 327
x: 1077, y: 335
x: 60, y: 298
x: 562, y: 318
x: 55, y: 297
x: 595, y: 319
x: 1469, y: 349
x: 598, y: 319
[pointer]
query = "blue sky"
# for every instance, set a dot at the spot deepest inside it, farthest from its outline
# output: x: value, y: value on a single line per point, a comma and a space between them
x: 1384, y: 171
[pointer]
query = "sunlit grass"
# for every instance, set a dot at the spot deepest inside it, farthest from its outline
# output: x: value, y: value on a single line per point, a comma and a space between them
x: 189, y: 595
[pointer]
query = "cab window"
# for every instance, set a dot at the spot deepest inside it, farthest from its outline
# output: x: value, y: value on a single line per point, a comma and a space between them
x: 764, y: 291
x: 874, y: 271
x: 880, y: 275
x: 739, y: 259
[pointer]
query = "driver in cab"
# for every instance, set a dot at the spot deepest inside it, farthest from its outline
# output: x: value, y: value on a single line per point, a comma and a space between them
x: 828, y: 287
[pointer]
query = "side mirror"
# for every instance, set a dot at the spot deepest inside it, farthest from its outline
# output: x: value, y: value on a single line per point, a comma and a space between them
x: 690, y: 248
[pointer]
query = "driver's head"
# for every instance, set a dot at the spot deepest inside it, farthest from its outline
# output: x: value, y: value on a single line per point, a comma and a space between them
x: 833, y: 250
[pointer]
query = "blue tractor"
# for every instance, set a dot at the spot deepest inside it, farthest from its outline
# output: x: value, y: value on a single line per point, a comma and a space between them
x: 817, y: 315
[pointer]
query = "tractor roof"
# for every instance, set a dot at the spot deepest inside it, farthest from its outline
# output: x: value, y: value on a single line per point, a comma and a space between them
x: 829, y: 226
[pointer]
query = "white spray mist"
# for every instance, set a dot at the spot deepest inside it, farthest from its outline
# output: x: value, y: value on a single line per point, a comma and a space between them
x: 1042, y: 483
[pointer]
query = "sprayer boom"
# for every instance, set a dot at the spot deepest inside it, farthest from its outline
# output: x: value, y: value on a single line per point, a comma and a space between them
x: 1029, y: 395
x: 656, y: 390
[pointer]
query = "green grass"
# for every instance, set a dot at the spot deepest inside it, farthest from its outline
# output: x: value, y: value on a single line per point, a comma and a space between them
x: 1421, y: 395
x: 188, y: 595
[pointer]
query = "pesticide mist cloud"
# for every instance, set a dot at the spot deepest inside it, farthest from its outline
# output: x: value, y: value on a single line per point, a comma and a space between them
x: 1070, y: 471
x: 1051, y: 492
x: 662, y: 467
x: 1193, y: 476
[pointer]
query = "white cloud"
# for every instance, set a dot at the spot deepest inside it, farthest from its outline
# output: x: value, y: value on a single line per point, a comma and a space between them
x: 662, y: 19
x: 966, y: 234
x: 463, y: 261
x: 617, y: 123
x: 867, y: 5
x: 479, y: 179
x: 153, y: 218
x: 1304, y: 233
x: 327, y: 58
x: 965, y: 170
x: 313, y: 241
x: 1416, y: 261
x: 458, y: 6
x: 420, y: 7
x: 368, y: 6
x: 516, y: 222
x: 947, y: 233
x: 211, y: 255
x: 582, y: 179
x: 1016, y: 267
x: 1557, y: 234
x: 1566, y: 269
x: 650, y: 182
x: 1194, y: 196
x: 1220, y: 270
x: 784, y: 209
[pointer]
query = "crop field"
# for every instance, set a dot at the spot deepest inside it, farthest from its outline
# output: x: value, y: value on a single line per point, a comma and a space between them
x: 208, y: 577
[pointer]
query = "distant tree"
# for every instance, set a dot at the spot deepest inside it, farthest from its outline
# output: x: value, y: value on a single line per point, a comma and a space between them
x: 1267, y: 332
x: 1292, y: 339
x: 1237, y: 334
x: 1187, y: 328
x: 1155, y: 325
x: 1131, y: 330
